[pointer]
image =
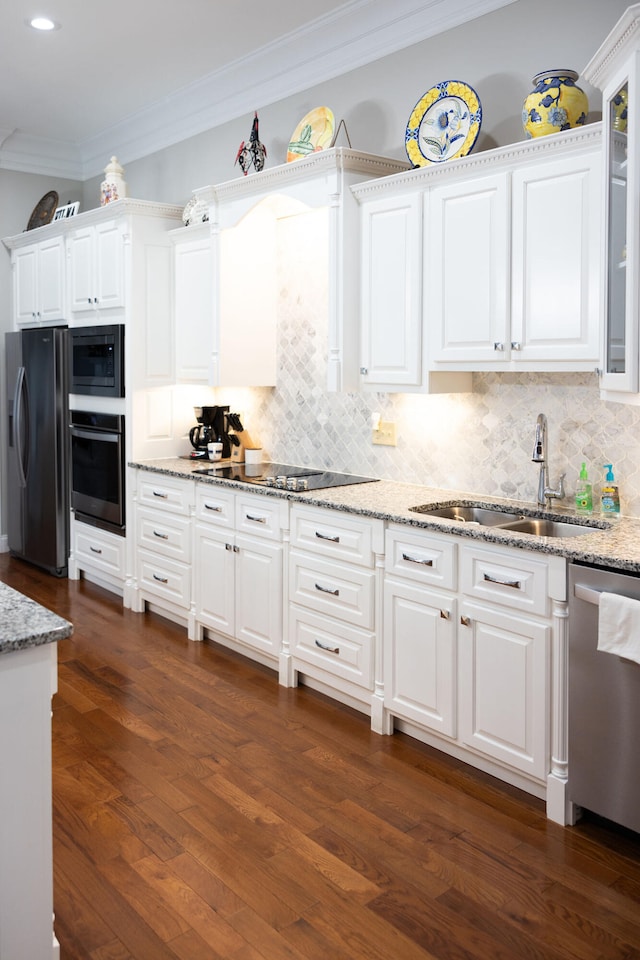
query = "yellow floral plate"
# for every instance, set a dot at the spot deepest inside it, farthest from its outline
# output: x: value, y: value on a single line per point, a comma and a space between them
x: 444, y: 123
x: 313, y: 133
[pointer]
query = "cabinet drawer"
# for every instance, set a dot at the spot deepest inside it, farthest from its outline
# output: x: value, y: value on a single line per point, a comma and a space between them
x: 333, y: 534
x: 215, y: 505
x: 260, y: 516
x: 347, y: 653
x: 335, y: 589
x: 99, y: 549
x: 511, y: 578
x: 165, y: 493
x: 164, y: 578
x: 423, y: 557
x: 164, y: 533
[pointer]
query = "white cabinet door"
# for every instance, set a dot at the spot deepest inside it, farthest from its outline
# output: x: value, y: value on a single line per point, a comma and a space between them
x: 391, y: 326
x: 96, y: 269
x: 556, y: 261
x: 193, y: 310
x: 504, y: 687
x: 109, y: 265
x: 466, y: 297
x: 258, y: 594
x: 420, y: 655
x: 214, y: 578
x: 39, y: 282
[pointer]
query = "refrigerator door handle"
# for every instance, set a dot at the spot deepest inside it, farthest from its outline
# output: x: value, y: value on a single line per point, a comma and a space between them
x: 18, y: 417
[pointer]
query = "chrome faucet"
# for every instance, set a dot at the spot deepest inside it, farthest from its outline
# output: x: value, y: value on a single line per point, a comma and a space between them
x: 545, y: 492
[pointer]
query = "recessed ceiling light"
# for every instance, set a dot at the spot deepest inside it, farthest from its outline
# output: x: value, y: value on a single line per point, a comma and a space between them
x: 43, y: 23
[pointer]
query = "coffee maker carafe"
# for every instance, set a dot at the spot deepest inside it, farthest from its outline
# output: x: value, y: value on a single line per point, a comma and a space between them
x: 211, y: 426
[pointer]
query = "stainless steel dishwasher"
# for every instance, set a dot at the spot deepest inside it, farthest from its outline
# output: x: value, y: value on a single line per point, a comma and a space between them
x: 604, y: 705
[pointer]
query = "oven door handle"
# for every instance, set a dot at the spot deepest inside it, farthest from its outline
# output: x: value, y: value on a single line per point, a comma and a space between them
x: 95, y: 435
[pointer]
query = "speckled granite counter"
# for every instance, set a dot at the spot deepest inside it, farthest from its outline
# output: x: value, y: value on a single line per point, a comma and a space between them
x: 24, y: 623
x: 616, y: 545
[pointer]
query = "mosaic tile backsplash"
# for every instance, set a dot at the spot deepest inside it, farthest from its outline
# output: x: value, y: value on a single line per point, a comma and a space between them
x: 480, y: 442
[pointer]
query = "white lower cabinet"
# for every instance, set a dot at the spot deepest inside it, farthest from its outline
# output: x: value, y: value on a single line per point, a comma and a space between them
x: 468, y: 634
x: 335, y: 606
x: 97, y: 554
x: 237, y: 574
x: 164, y: 507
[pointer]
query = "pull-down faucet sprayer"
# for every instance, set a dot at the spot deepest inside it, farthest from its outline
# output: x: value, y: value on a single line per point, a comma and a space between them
x: 545, y: 492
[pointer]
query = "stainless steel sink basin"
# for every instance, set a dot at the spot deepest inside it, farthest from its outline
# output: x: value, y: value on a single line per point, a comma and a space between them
x: 468, y: 514
x: 540, y: 527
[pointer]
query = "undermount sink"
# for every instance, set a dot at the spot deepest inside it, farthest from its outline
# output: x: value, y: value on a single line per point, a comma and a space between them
x: 540, y: 527
x: 469, y: 513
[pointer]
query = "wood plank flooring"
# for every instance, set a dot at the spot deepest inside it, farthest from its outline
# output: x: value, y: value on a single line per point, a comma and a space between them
x: 201, y: 811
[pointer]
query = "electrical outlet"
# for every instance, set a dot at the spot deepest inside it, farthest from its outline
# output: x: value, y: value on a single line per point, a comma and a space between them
x: 385, y: 435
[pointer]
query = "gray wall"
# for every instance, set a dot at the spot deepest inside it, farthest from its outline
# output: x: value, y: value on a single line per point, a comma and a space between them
x: 498, y: 55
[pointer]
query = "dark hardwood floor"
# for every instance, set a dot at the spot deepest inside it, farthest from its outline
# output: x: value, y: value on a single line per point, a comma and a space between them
x: 203, y: 811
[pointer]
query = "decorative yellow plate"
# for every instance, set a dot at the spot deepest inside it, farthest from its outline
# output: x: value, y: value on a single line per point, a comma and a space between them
x: 445, y: 123
x: 313, y: 133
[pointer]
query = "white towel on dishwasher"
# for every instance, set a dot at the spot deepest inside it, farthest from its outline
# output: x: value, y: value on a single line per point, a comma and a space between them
x: 619, y: 626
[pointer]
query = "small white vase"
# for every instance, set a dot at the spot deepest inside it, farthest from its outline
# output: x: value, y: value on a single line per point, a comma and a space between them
x: 113, y: 187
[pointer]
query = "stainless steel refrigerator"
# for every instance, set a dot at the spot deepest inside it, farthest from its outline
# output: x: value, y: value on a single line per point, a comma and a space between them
x: 37, y: 454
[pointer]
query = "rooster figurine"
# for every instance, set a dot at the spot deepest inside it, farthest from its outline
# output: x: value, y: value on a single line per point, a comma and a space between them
x: 253, y: 152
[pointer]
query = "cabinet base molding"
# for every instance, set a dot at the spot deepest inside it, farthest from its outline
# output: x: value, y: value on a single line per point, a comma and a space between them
x: 511, y: 777
x: 256, y: 655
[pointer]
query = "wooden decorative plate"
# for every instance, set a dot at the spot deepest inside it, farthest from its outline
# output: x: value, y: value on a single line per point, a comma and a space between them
x: 44, y: 210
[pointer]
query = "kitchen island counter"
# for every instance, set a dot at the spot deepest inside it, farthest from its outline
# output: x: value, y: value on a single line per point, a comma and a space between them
x: 28, y: 680
x: 25, y: 623
x: 617, y: 546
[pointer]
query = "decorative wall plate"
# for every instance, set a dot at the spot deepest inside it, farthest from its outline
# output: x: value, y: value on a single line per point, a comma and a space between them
x: 44, y: 210
x: 313, y: 133
x: 444, y: 123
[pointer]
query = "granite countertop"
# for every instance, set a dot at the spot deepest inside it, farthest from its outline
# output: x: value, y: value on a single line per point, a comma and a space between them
x: 24, y: 623
x: 616, y: 544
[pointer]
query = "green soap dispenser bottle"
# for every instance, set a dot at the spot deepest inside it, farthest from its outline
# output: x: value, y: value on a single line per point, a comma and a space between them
x: 584, y: 492
x: 610, y: 495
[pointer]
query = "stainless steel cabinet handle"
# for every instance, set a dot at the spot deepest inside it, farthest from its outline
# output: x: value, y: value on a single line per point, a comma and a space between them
x: 161, y: 536
x: 334, y: 593
x: 163, y: 496
x: 445, y: 615
x: 208, y: 506
x: 228, y: 546
x: 516, y: 584
x: 498, y: 345
x: 160, y: 579
x: 236, y: 549
x: 324, y: 536
x: 465, y: 621
x: 516, y: 345
x: 410, y: 559
x: 95, y: 549
x: 249, y: 516
x: 364, y: 371
x: 325, y: 646
x: 88, y: 299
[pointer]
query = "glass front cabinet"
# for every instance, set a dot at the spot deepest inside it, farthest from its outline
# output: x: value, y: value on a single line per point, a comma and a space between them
x: 615, y: 69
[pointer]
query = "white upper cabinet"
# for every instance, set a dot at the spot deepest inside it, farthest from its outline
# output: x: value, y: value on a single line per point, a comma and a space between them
x: 39, y: 282
x: 467, y: 278
x: 391, y: 352
x: 615, y: 69
x: 193, y: 303
x: 512, y: 268
x: 499, y: 273
x: 96, y: 270
x: 296, y: 226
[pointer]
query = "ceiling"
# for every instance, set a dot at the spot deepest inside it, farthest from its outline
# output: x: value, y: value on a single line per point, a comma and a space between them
x: 134, y: 77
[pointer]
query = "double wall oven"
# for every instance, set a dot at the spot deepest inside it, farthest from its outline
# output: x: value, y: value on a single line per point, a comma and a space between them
x: 98, y: 469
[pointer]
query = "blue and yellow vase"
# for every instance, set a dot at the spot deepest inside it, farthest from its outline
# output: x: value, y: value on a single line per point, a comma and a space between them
x: 554, y: 104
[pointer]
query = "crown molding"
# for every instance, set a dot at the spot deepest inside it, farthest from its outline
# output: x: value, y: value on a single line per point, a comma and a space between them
x: 356, y: 34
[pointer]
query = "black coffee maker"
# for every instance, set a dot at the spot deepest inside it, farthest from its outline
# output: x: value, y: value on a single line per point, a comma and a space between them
x: 211, y: 426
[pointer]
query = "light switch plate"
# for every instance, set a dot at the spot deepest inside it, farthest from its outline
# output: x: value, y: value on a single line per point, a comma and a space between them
x: 385, y: 435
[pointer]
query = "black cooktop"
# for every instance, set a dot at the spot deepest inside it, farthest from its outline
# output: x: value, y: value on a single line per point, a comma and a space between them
x: 282, y: 476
